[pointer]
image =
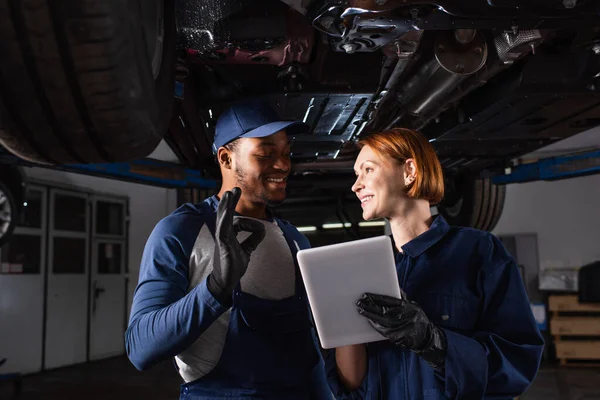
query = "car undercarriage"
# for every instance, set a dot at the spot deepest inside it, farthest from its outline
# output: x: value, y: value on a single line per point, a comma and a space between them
x: 485, y: 81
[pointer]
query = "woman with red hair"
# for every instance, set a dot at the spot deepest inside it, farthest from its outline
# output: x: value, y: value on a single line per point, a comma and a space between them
x: 463, y: 328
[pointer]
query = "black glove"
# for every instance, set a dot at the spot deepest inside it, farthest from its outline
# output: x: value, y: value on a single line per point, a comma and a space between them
x: 404, y: 323
x: 231, y: 257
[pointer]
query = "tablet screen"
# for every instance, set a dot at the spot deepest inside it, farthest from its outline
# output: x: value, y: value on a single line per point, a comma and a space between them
x: 336, y: 276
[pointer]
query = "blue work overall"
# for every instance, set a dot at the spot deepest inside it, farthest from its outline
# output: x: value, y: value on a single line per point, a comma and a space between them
x: 269, y: 352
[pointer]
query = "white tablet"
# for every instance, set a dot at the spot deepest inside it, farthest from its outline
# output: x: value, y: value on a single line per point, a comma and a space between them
x: 336, y: 276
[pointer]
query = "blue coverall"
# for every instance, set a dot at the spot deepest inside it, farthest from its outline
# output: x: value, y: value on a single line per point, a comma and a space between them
x: 270, y: 349
x: 470, y: 286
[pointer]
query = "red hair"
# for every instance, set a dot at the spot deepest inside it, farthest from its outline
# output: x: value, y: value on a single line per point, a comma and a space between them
x: 400, y: 144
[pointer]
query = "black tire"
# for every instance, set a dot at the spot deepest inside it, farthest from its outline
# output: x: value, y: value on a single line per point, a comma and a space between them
x: 76, y: 79
x: 9, y: 211
x: 473, y: 202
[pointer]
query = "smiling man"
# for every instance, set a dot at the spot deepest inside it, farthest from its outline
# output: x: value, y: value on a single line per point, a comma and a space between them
x: 219, y: 287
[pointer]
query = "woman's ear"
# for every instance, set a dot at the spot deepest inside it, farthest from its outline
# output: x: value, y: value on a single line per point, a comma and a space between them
x: 224, y: 157
x: 410, y: 171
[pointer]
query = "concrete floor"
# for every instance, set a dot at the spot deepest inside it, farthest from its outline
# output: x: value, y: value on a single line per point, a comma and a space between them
x: 117, y: 379
x: 111, y: 379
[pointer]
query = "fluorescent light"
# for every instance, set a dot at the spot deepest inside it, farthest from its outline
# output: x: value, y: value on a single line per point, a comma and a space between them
x: 306, y: 228
x: 311, y: 105
x: 337, y: 225
x: 371, y: 223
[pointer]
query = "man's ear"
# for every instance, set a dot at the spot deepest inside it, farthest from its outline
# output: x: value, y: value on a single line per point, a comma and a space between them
x: 224, y: 157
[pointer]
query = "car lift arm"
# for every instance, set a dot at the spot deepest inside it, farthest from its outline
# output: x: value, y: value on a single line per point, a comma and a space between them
x: 553, y: 168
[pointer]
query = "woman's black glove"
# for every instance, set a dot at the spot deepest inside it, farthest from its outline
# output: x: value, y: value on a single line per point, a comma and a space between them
x: 231, y: 257
x: 404, y: 323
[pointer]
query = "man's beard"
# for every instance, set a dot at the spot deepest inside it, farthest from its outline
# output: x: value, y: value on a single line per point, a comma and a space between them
x: 241, y: 179
x: 260, y: 194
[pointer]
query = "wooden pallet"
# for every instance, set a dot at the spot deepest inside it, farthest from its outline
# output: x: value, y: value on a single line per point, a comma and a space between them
x: 576, y: 330
x: 569, y: 362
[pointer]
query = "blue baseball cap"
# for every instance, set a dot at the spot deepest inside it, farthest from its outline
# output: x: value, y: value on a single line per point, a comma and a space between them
x: 252, y: 118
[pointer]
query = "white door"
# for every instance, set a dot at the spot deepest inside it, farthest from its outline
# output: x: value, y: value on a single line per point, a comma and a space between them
x: 22, y: 265
x: 68, y: 278
x: 108, y: 285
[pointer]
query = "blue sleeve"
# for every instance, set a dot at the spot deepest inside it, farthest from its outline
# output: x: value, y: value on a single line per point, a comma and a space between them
x: 501, y: 358
x: 335, y: 384
x: 166, y: 319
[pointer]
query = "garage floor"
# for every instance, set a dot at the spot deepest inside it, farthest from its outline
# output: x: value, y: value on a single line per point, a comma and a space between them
x: 117, y: 379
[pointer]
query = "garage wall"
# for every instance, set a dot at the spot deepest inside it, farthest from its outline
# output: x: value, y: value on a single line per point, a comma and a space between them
x: 21, y: 315
x: 564, y: 214
x: 147, y: 205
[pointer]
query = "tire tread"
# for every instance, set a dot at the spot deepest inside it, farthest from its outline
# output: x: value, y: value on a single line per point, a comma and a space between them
x: 75, y: 85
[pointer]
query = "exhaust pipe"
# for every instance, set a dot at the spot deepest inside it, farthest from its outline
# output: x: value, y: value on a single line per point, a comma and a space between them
x: 458, y: 55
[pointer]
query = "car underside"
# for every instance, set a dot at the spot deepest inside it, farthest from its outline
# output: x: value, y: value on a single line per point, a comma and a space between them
x: 485, y: 81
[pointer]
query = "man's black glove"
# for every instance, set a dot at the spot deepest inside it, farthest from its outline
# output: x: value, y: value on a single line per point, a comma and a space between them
x: 404, y: 323
x: 231, y: 257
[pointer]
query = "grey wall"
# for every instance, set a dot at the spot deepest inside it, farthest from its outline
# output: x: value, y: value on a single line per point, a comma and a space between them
x: 564, y: 214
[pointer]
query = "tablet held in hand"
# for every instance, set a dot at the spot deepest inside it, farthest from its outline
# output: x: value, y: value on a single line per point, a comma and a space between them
x: 336, y: 276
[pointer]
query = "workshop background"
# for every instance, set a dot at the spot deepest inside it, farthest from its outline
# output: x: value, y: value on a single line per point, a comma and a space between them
x: 68, y: 274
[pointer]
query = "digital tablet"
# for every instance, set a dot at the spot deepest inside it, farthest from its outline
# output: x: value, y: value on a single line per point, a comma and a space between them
x: 336, y: 276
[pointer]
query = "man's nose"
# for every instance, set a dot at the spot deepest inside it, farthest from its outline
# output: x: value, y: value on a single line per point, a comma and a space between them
x: 283, y: 163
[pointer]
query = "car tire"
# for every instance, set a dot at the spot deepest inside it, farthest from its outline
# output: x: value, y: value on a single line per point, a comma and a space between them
x: 85, y: 81
x: 9, y: 210
x: 472, y: 202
